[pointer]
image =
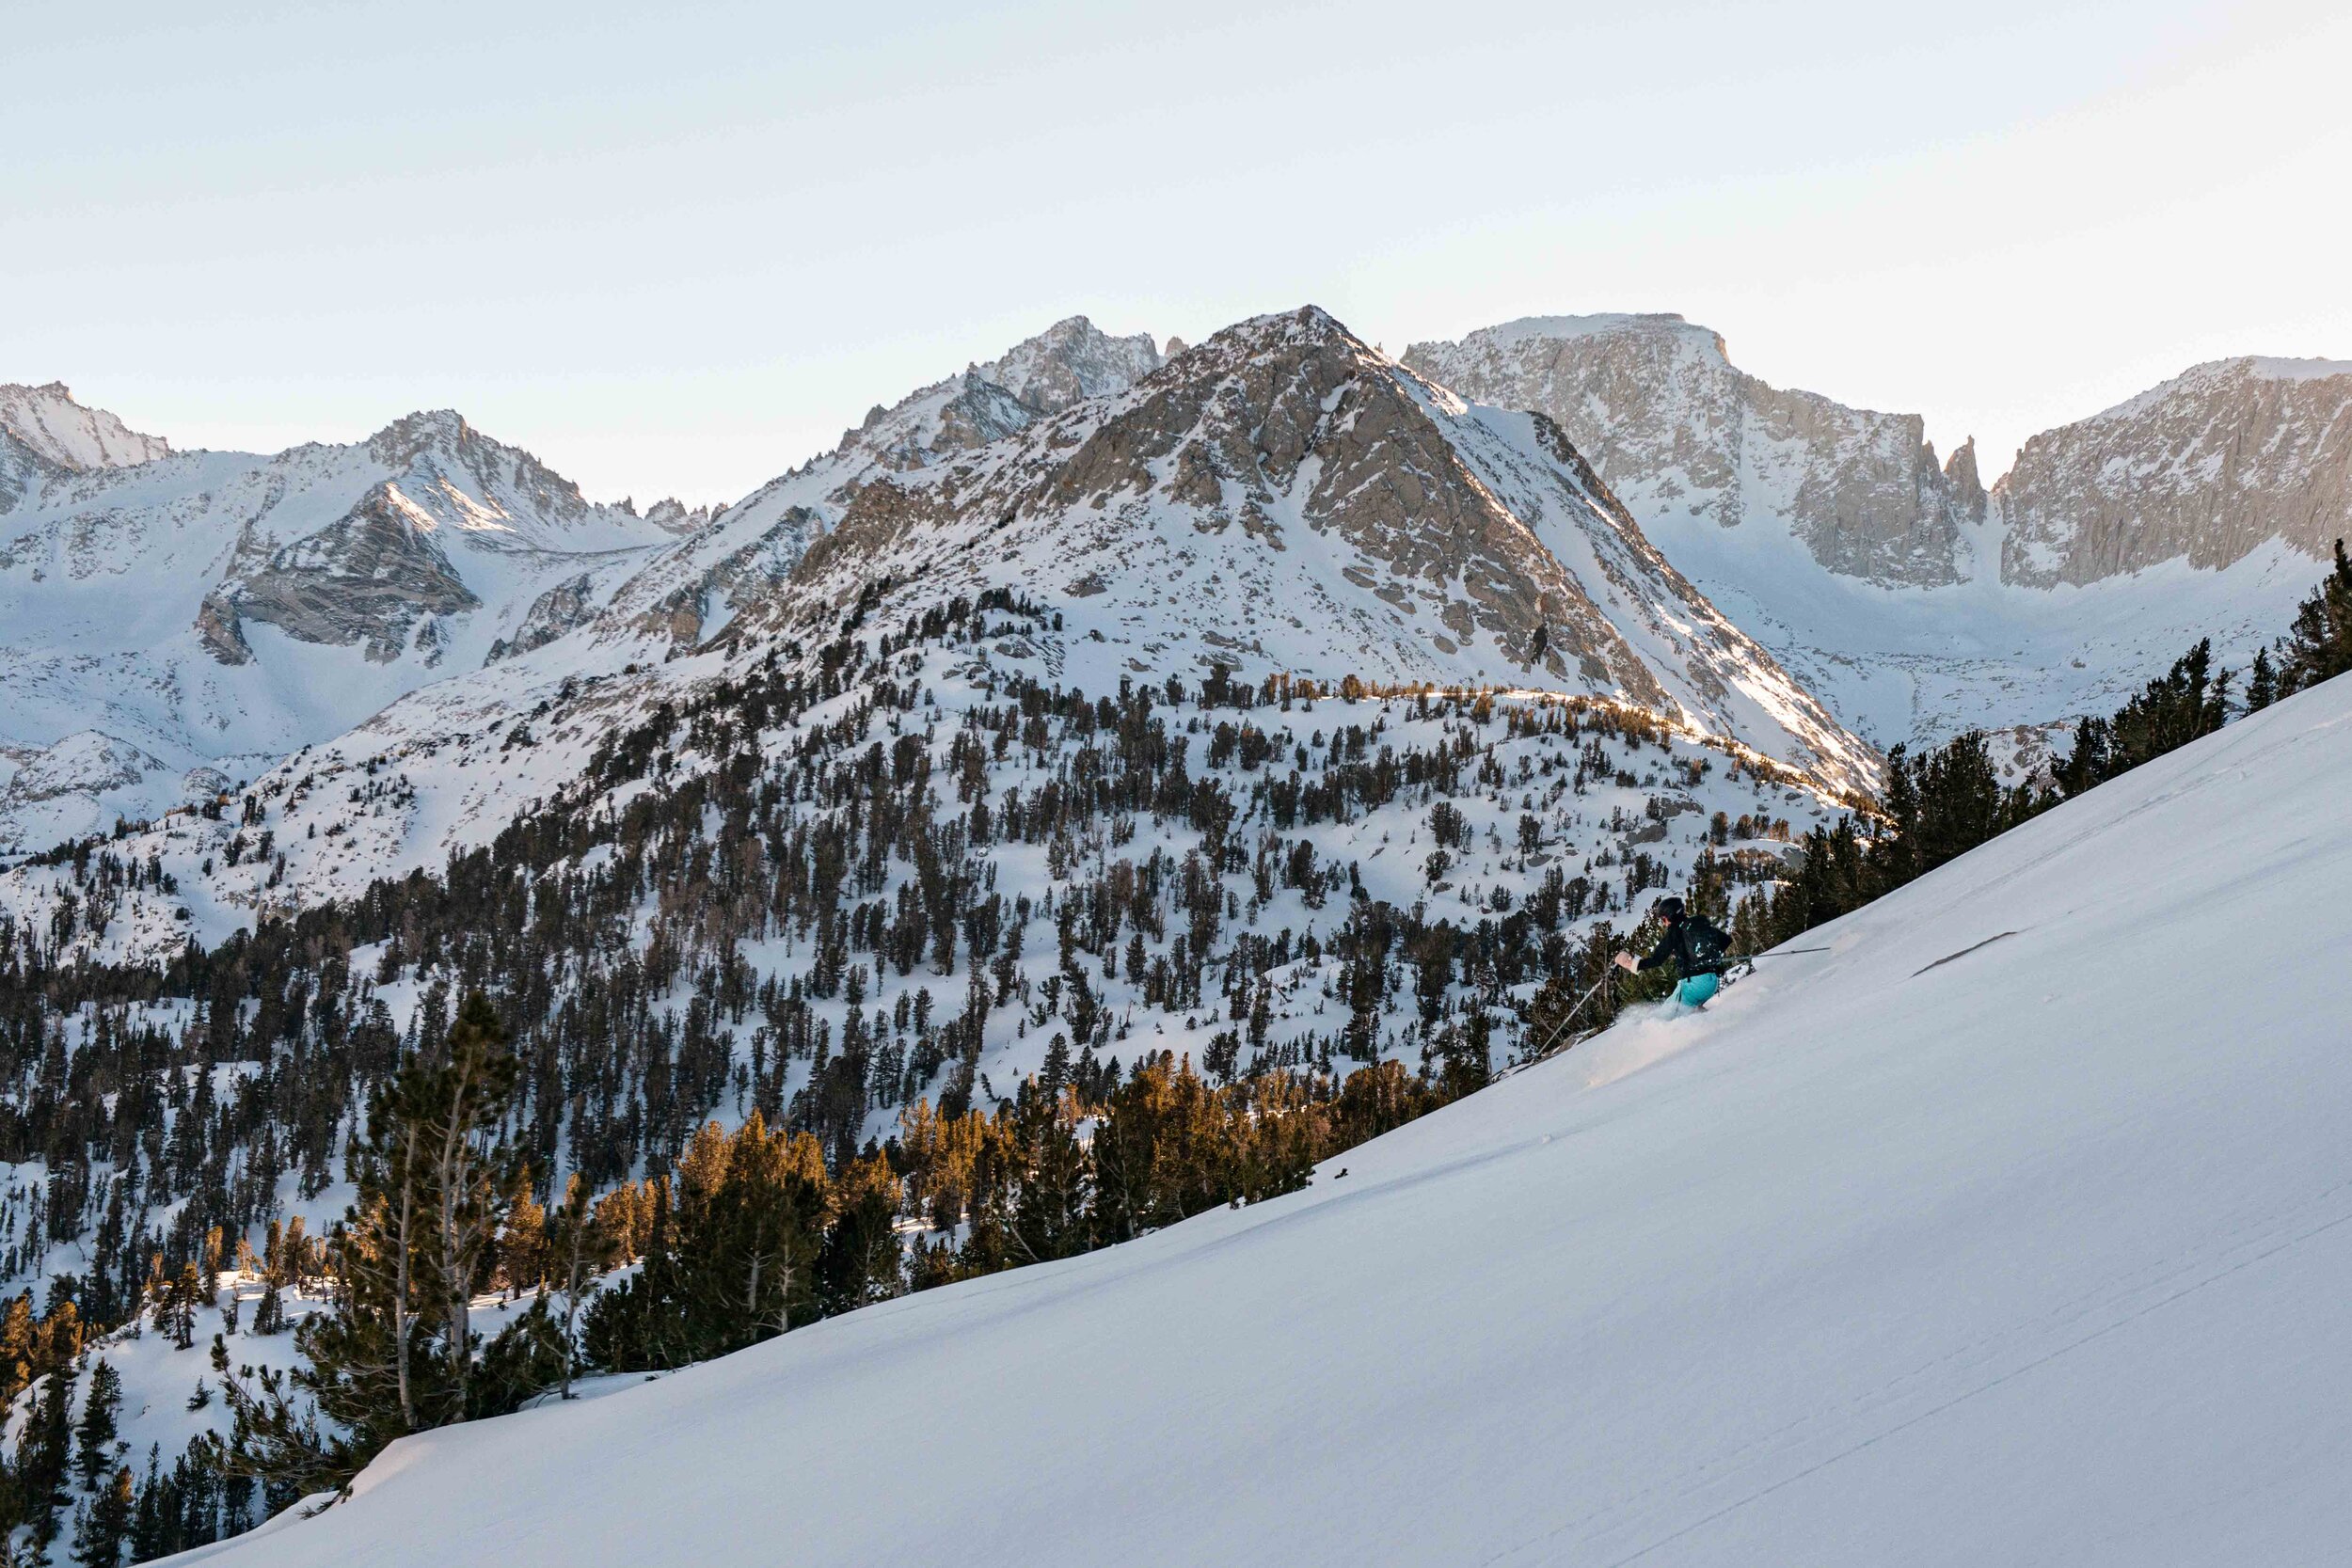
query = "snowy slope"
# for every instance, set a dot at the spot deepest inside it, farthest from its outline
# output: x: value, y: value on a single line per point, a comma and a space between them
x: 48, y: 422
x: 169, y: 628
x: 690, y: 594
x: 2012, y: 1230
x: 160, y: 1377
x: 1279, y: 500
x: 1910, y: 601
x: 1284, y: 498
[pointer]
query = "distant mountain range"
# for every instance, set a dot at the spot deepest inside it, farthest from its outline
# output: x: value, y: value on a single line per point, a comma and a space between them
x: 170, y: 619
x: 1772, y: 563
x: 1912, y: 600
x: 1269, y: 705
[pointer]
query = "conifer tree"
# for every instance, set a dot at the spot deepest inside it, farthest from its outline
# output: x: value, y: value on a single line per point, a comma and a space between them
x: 731, y: 1254
x: 397, y: 1352
x: 523, y: 1242
x: 580, y: 1243
x: 1031, y: 1186
x: 2262, y: 682
x: 2189, y: 701
x: 187, y: 1291
x: 17, y: 1346
x: 94, y: 1441
x: 750, y: 1219
x: 2318, y: 643
x: 44, y: 1454
x: 151, y: 1524
x: 100, y: 1532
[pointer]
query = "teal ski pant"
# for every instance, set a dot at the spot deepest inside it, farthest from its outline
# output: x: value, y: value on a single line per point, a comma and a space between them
x: 1696, y: 991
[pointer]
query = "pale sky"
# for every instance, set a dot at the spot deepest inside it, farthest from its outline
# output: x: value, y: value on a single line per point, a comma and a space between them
x: 678, y: 248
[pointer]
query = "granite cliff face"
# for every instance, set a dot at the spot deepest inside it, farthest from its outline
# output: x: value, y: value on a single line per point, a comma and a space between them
x: 1674, y: 428
x: 1914, y: 601
x: 2207, y: 468
x: 376, y: 578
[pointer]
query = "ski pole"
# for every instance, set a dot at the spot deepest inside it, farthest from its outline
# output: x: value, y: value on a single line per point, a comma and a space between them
x: 1784, y: 953
x: 1574, y: 1008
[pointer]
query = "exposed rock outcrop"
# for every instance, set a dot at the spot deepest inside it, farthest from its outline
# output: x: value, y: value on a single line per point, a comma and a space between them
x: 369, y: 578
x: 1283, y: 498
x: 2209, y: 467
x: 1672, y: 425
x: 50, y: 423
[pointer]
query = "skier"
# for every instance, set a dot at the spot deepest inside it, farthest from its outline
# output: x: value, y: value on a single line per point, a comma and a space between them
x: 1697, y: 949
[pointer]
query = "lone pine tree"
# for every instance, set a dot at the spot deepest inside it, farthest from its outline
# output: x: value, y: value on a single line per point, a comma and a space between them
x: 95, y: 1440
x: 436, y: 1179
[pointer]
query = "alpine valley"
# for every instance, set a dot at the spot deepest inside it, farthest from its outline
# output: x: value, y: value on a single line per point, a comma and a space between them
x: 1111, y: 784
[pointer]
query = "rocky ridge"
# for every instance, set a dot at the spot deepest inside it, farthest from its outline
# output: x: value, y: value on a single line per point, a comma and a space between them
x: 1915, y: 601
x: 194, y: 607
x: 747, y: 550
x: 1282, y: 499
x: 1674, y: 427
x: 47, y: 423
x: 2208, y: 468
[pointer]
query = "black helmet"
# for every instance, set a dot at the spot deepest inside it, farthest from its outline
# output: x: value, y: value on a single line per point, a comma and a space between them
x: 1671, y: 908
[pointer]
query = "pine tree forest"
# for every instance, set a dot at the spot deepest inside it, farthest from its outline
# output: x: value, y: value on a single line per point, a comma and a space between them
x: 882, y: 967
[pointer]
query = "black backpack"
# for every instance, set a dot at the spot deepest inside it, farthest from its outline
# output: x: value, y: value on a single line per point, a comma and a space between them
x: 1704, y: 946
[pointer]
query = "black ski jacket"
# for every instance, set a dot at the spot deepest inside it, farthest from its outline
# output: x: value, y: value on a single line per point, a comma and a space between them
x: 1676, y: 945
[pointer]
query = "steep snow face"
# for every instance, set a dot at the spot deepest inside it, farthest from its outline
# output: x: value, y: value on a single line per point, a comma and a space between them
x: 209, y: 606
x: 2012, y: 1228
x: 49, y: 423
x: 1284, y: 499
x: 746, y: 552
x: 2209, y: 468
x: 1915, y: 605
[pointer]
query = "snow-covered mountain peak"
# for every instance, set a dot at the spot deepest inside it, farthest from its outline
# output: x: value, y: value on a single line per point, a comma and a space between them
x: 743, y: 552
x: 1070, y: 362
x: 427, y: 429
x: 1916, y: 600
x: 49, y: 423
x: 1283, y: 498
x: 208, y: 605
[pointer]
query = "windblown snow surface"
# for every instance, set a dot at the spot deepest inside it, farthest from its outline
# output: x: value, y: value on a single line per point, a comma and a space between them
x: 2038, y: 1255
